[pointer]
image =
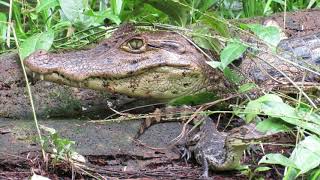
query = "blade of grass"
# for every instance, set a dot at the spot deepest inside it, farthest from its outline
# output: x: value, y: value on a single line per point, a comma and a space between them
x: 30, y: 95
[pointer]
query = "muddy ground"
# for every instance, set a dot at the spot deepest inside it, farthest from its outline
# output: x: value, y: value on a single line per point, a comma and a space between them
x: 108, y: 147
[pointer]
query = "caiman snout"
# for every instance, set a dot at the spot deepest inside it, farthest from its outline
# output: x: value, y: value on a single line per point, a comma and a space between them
x: 157, y: 65
x: 38, y: 62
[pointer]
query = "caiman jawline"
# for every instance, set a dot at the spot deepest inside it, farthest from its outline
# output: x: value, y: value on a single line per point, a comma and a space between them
x: 42, y: 76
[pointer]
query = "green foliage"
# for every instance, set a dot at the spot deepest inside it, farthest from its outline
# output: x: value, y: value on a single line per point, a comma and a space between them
x: 273, y: 125
x: 277, y: 159
x: 246, y: 87
x: 270, y: 34
x: 38, y: 41
x: 3, y: 27
x: 305, y: 157
x: 252, y: 173
x: 231, y: 52
x: 61, y: 148
x: 273, y: 106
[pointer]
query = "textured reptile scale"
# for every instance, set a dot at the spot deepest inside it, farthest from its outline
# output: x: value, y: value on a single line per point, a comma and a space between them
x: 305, y: 49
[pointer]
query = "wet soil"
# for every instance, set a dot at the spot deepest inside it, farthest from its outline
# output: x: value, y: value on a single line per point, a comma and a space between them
x: 108, y: 148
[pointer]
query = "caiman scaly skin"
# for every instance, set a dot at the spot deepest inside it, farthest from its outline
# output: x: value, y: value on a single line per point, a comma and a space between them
x: 163, y: 65
x: 267, y: 70
x: 221, y: 151
x: 156, y: 65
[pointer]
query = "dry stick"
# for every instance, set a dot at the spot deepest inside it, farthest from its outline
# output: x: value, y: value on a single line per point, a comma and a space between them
x: 30, y: 96
x: 134, y: 108
x: 184, y: 128
x: 201, y: 108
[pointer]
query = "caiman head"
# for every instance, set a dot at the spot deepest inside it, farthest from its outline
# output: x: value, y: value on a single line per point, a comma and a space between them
x: 148, y: 64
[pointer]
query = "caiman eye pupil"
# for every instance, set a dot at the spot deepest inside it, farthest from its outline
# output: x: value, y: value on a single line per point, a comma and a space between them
x: 135, y: 44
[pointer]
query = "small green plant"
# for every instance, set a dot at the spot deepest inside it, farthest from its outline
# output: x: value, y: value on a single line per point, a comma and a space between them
x: 253, y: 173
x: 61, y: 148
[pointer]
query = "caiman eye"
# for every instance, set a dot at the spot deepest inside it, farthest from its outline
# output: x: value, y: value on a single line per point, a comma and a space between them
x: 134, y: 45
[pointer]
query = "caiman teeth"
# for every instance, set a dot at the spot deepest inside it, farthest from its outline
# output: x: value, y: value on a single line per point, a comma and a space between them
x: 41, y: 77
x: 34, y: 75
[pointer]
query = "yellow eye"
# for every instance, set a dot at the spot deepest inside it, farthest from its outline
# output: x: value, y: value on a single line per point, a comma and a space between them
x: 135, y: 44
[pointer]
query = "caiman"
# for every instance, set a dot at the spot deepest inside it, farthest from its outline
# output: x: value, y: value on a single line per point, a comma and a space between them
x: 163, y: 65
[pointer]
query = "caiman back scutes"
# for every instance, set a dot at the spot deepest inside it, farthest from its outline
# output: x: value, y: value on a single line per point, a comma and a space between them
x: 305, y: 49
x: 266, y: 69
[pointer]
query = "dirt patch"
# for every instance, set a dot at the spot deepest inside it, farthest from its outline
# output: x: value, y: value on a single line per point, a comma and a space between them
x: 296, y: 24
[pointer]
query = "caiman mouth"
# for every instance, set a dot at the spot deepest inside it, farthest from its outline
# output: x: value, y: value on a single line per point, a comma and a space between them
x: 164, y: 82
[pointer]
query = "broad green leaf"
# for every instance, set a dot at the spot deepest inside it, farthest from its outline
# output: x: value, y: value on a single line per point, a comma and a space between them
x: 231, y: 52
x: 289, y: 114
x: 306, y: 154
x: 269, y: 97
x: 214, y: 64
x: 3, y: 27
x: 203, y: 41
x: 254, y: 107
x: 216, y: 23
x: 46, y: 5
x: 73, y: 10
x: 232, y: 76
x: 177, y: 13
x: 38, y: 41
x: 290, y: 173
x: 269, y: 34
x: 273, y: 125
x: 277, y: 159
x: 246, y: 87
x: 309, y: 116
x: 252, y: 110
